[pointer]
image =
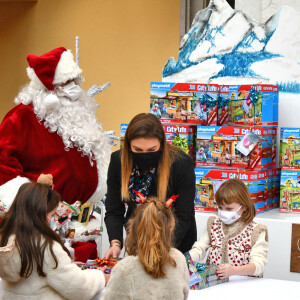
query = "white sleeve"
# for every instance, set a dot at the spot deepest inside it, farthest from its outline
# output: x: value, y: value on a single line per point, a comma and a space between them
x: 68, y: 279
x: 258, y: 254
x: 120, y: 284
x: 9, y: 190
x: 198, y: 251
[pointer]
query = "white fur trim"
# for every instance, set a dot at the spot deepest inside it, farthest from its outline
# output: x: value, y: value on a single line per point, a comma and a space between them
x: 9, y: 190
x: 51, y: 101
x: 66, y: 68
x: 102, y: 168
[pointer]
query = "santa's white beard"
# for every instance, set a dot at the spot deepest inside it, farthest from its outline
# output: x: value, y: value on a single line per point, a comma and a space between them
x: 74, y: 121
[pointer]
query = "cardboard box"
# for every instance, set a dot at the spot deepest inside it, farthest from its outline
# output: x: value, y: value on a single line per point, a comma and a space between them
x: 223, y: 101
x: 182, y: 103
x: 289, y: 148
x: 209, y: 180
x: 216, y: 147
x: 202, y: 275
x: 290, y: 191
x: 253, y: 105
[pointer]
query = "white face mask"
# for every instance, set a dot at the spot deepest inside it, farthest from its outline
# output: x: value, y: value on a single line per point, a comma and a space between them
x: 72, y: 91
x: 229, y: 217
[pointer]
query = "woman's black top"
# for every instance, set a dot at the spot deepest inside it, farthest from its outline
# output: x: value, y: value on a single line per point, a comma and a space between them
x: 181, y: 182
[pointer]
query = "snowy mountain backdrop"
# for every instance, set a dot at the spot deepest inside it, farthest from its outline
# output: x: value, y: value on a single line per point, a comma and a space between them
x: 227, y: 46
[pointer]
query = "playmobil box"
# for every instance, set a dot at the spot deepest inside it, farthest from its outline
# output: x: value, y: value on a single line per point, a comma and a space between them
x: 269, y: 189
x: 234, y: 147
x: 275, y: 103
x: 253, y: 105
x: 274, y: 146
x: 290, y: 191
x: 208, y: 182
x: 202, y: 275
x: 223, y: 100
x: 289, y: 148
x: 123, y: 129
x: 182, y: 136
x: 193, y: 103
x: 276, y: 187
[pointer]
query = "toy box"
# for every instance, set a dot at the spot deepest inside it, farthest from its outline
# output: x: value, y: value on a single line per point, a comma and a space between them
x: 276, y: 187
x: 290, y: 148
x: 269, y: 189
x: 209, y: 180
x: 184, y: 102
x: 223, y: 100
x: 182, y: 136
x: 123, y: 129
x: 216, y: 147
x: 99, y: 263
x: 290, y: 191
x: 202, y: 275
x: 253, y: 105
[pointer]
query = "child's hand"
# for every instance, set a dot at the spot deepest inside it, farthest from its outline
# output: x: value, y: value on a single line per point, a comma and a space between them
x: 225, y: 270
x: 106, y: 276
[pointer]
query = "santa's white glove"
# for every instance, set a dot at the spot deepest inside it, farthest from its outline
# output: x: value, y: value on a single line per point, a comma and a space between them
x: 95, y: 89
x: 112, y: 138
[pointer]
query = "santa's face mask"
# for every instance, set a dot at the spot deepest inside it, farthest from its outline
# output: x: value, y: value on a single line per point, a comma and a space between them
x: 71, y: 91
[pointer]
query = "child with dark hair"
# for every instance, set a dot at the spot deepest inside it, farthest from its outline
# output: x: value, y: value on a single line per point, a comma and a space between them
x: 34, y: 263
x: 235, y: 243
x: 153, y: 269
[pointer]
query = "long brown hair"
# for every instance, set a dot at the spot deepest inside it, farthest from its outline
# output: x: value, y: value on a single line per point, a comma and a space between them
x: 150, y: 236
x: 234, y: 190
x: 27, y: 220
x: 146, y: 125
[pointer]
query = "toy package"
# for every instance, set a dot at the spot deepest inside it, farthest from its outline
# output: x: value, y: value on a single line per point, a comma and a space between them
x: 223, y: 101
x: 290, y: 148
x: 202, y: 275
x: 184, y: 103
x: 253, y: 105
x: 276, y: 187
x: 99, y: 263
x: 216, y: 146
x: 290, y: 191
x: 269, y: 189
x: 208, y: 182
x: 182, y: 136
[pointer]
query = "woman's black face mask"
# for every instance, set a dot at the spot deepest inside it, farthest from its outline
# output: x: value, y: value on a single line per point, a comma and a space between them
x: 146, y: 160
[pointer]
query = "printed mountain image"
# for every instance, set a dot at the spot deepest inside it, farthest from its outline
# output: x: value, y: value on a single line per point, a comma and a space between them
x: 228, y: 46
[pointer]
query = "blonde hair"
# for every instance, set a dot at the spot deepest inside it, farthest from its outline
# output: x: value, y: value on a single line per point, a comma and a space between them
x: 234, y: 190
x: 150, y: 234
x: 146, y: 125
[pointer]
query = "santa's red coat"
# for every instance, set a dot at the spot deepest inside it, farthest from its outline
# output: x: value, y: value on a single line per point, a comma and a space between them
x: 28, y: 149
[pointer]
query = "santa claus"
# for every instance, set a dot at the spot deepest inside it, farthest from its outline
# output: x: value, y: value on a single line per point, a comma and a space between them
x: 53, y: 130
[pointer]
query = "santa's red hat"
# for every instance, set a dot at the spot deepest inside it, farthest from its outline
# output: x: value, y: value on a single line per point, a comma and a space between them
x: 54, y: 67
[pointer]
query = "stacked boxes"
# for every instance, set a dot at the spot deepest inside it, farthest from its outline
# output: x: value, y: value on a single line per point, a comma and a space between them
x: 290, y: 173
x: 209, y: 180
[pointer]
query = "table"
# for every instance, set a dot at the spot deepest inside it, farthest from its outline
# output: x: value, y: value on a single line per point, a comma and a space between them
x: 246, y: 288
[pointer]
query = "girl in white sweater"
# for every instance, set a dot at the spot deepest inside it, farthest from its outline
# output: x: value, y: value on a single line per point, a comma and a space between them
x: 153, y: 270
x: 234, y: 242
x: 34, y: 263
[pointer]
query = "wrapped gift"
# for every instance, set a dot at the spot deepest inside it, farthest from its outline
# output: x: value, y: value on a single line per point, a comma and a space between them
x: 202, y: 275
x: 99, y: 263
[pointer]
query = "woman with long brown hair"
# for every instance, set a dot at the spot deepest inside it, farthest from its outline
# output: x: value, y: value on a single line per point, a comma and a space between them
x: 149, y: 165
x: 34, y: 263
x: 153, y: 269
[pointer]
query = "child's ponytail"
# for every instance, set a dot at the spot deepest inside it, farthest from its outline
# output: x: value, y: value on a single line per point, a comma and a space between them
x: 150, y: 237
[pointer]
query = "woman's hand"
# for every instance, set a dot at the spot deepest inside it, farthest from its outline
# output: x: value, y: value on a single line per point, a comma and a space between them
x: 45, y: 179
x: 114, y: 250
x: 225, y: 270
